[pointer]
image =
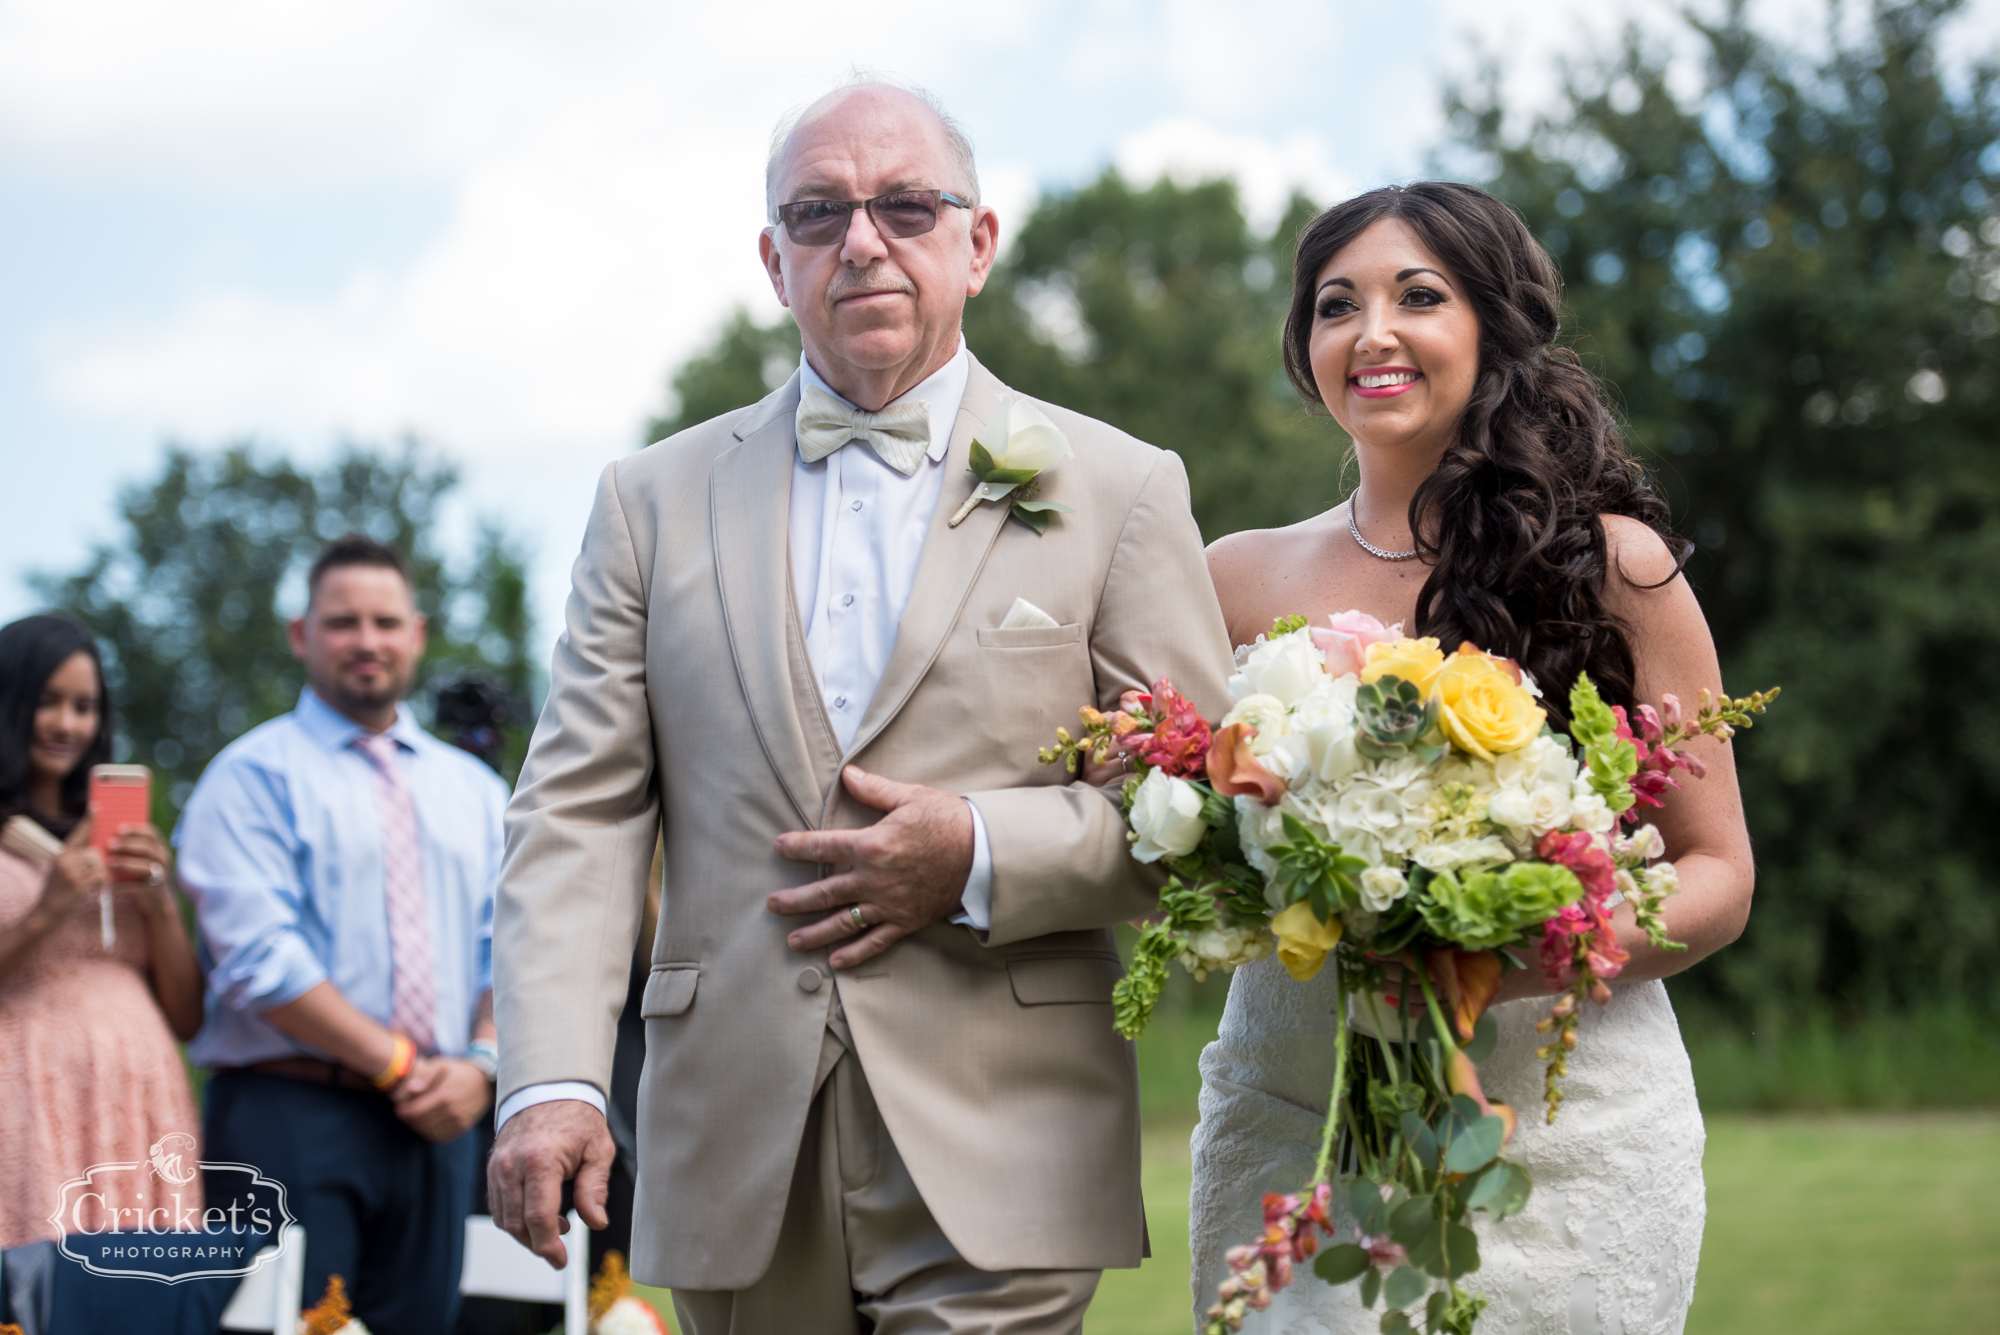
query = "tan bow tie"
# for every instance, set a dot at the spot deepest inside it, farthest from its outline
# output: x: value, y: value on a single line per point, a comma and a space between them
x: 900, y: 434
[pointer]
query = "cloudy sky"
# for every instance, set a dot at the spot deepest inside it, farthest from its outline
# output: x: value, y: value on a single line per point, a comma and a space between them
x: 499, y: 225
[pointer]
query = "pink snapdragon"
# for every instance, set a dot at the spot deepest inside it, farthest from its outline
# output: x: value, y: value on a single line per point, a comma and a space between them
x: 1179, y: 738
x: 1657, y: 761
x: 1346, y: 638
x: 1257, y: 1270
x: 1588, y: 857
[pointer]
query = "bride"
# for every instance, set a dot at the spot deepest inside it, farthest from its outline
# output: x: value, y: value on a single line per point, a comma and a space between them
x: 1496, y: 504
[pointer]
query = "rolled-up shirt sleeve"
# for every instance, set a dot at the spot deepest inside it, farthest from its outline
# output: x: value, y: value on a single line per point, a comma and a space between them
x: 240, y: 867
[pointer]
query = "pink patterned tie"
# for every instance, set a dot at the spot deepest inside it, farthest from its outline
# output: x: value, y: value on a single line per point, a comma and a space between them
x: 412, y: 992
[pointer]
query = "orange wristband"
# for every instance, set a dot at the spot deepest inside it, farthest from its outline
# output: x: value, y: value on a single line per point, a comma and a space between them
x: 401, y: 1060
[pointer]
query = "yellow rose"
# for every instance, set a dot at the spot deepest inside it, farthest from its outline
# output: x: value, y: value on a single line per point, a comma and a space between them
x: 1303, y: 940
x: 1485, y: 708
x: 1415, y: 661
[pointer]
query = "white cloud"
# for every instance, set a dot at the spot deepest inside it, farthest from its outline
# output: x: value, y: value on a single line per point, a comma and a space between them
x: 1267, y: 170
x: 599, y: 163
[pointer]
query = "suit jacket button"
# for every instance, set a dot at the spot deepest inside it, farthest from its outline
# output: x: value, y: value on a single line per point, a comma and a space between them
x: 810, y: 979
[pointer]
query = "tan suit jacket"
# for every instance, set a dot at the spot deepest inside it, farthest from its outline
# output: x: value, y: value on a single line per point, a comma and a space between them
x: 682, y: 699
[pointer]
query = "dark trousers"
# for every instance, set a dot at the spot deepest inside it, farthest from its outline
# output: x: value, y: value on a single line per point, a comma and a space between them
x: 382, y: 1207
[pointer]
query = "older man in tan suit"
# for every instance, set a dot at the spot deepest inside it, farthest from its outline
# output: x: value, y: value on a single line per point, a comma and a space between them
x: 882, y: 1091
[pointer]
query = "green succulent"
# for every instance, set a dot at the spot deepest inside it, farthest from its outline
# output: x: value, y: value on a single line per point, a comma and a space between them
x: 1394, y: 720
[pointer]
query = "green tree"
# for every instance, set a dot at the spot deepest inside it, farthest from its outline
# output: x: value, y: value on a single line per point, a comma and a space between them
x: 187, y: 602
x: 1153, y: 309
x: 747, y: 361
x: 1791, y: 280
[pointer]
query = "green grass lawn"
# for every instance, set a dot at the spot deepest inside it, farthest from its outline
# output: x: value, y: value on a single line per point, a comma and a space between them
x: 1855, y: 1225
x: 1869, y: 1225
x: 1874, y: 1221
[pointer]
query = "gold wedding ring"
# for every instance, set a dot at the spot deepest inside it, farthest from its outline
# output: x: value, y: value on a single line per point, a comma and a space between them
x: 157, y: 875
x: 860, y: 923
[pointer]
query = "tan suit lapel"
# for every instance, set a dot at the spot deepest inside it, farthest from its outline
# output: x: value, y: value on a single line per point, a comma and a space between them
x: 951, y: 561
x: 750, y: 500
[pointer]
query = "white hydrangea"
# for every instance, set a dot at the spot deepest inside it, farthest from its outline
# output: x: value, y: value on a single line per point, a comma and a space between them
x: 1223, y: 948
x: 1450, y: 853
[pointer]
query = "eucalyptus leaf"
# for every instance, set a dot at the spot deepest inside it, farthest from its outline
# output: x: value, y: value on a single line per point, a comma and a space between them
x: 1512, y: 1197
x: 1342, y: 1263
x: 1458, y: 1253
x: 1405, y: 1285
x: 1413, y: 1221
x: 1485, y: 1033
x: 1421, y: 1140
x: 1395, y: 1323
x: 1476, y: 1146
x: 1371, y: 1212
x: 1371, y: 1287
x: 1425, y: 1250
x: 1485, y: 1186
x: 1467, y: 1108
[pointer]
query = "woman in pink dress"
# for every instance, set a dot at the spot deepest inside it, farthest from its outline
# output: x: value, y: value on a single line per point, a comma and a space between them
x: 89, y: 1069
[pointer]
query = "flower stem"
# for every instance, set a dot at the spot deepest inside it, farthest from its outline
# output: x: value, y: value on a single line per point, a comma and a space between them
x: 1321, y: 1169
x: 1445, y: 1036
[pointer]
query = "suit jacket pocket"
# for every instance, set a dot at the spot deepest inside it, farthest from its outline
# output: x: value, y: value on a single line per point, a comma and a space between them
x: 669, y: 990
x: 1030, y: 637
x: 1064, y: 980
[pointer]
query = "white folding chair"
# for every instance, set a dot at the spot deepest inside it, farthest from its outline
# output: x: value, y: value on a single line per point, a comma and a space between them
x: 269, y: 1297
x: 496, y: 1266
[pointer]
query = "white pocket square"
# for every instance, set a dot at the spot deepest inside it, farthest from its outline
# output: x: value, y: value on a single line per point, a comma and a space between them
x: 1024, y: 614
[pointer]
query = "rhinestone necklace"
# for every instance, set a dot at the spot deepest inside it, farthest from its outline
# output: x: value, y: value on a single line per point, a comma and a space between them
x: 1366, y: 545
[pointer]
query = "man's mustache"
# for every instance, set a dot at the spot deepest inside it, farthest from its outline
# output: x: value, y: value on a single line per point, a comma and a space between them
x: 858, y: 282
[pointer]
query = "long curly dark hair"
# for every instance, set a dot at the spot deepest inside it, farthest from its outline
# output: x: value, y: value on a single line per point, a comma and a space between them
x: 1511, y: 522
x: 31, y: 650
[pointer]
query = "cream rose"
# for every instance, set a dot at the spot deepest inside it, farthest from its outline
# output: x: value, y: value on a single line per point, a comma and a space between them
x: 1265, y: 713
x: 1381, y: 887
x: 1288, y: 667
x: 1166, y: 817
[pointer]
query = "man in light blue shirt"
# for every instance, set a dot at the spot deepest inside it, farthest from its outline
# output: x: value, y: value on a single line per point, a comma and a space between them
x: 342, y: 864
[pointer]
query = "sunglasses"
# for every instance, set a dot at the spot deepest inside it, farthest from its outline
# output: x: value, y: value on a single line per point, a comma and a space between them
x: 903, y: 214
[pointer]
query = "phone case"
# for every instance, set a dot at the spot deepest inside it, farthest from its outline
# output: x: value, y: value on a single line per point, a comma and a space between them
x: 120, y: 795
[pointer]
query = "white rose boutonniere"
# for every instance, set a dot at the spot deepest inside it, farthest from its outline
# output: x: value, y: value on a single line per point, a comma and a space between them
x: 1026, y: 444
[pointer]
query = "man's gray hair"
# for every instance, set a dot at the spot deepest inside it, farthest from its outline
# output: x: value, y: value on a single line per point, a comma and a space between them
x: 959, y: 144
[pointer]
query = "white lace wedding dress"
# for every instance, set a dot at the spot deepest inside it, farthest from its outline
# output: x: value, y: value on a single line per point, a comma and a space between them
x: 1609, y: 1242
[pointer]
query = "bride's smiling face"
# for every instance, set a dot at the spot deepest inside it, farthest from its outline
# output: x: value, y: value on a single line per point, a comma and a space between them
x: 1395, y: 343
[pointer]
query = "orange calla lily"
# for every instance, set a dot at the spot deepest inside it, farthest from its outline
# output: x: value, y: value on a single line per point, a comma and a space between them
x: 1234, y: 772
x: 1469, y: 980
x: 1462, y: 1077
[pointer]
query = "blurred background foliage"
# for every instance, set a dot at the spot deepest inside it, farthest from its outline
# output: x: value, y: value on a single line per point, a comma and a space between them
x: 190, y: 602
x: 1789, y: 278
x: 1790, y: 282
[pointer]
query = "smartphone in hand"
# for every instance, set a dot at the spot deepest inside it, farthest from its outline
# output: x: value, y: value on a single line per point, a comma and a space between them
x: 120, y: 795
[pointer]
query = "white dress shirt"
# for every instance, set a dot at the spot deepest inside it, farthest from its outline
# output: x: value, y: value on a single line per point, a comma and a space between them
x: 857, y: 534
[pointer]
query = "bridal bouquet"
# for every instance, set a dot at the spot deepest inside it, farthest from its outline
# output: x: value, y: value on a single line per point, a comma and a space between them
x: 1408, y: 816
